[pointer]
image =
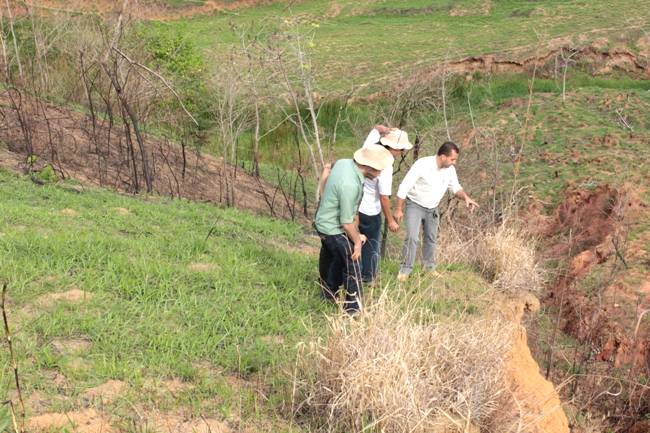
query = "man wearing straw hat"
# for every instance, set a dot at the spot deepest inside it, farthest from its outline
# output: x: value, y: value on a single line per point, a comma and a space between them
x: 337, y: 223
x: 422, y: 189
x: 376, y: 198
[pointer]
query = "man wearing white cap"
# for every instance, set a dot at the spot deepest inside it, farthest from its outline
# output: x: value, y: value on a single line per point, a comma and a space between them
x: 336, y: 223
x: 376, y: 198
x: 423, y: 187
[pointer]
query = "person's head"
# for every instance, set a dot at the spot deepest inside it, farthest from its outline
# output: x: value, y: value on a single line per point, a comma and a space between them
x: 396, y: 141
x: 447, y: 154
x: 372, y: 160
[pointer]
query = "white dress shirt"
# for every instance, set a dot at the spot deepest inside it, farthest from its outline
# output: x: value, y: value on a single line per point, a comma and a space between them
x: 426, y: 184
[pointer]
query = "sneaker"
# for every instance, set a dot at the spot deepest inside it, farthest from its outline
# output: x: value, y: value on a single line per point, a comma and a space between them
x: 402, y: 277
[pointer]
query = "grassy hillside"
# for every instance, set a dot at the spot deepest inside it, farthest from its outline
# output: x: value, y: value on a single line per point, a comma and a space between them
x: 153, y: 296
x: 363, y: 44
x: 184, y: 309
x: 166, y: 294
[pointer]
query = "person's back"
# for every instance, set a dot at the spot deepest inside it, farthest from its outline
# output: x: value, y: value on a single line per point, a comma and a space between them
x: 376, y: 198
x: 340, y: 199
x: 337, y: 224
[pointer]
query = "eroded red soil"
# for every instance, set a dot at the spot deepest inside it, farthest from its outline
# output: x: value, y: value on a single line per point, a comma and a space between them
x: 602, y: 291
x: 589, y: 230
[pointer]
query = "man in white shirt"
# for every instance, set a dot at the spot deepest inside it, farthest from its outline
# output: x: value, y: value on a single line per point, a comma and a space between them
x: 376, y: 198
x: 422, y: 189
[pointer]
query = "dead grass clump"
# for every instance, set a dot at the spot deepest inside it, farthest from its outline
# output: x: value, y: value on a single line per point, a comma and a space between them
x: 396, y: 370
x: 507, y: 258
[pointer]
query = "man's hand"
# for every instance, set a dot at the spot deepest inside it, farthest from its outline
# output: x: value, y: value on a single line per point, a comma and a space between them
x: 327, y: 169
x: 363, y: 238
x: 471, y: 204
x: 393, y: 226
x: 398, y: 215
x: 357, y: 239
x: 356, y: 253
x: 382, y: 129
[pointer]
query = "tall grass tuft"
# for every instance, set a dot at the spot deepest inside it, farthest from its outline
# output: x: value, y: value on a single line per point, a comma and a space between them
x: 505, y: 256
x: 396, y: 369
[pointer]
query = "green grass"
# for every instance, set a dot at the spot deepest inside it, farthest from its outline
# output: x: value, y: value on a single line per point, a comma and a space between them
x: 149, y: 314
x: 184, y: 3
x: 368, y: 43
x: 163, y: 300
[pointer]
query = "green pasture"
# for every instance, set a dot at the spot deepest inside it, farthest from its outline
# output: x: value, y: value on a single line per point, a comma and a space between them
x: 366, y: 44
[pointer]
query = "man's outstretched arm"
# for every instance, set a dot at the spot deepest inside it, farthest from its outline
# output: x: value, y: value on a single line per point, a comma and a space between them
x: 471, y: 204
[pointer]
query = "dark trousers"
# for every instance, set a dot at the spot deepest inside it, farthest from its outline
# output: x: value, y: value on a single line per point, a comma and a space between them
x: 336, y: 267
x: 370, y: 225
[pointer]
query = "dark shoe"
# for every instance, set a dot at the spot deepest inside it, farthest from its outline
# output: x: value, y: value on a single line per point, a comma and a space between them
x: 328, y: 296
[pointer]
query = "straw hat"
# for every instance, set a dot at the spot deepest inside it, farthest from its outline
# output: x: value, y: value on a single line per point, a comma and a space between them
x: 376, y: 157
x: 396, y: 139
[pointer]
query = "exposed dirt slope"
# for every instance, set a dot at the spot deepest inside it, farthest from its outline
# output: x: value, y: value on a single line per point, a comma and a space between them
x: 590, y: 229
x: 603, y: 295
x: 100, y: 155
x: 600, y: 61
x: 535, y: 397
x: 147, y: 9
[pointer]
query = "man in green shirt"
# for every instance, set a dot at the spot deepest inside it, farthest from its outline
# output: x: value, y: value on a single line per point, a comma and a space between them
x: 337, y: 223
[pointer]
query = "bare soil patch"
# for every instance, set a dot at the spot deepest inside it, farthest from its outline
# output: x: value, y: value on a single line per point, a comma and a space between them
x: 71, y: 296
x: 37, y: 402
x: 310, y: 246
x: 643, y: 44
x: 203, y: 267
x: 85, y: 421
x: 106, y: 392
x: 273, y: 339
x: 178, y: 423
x: 69, y: 212
x: 483, y: 10
x: 72, y: 345
x: 176, y: 386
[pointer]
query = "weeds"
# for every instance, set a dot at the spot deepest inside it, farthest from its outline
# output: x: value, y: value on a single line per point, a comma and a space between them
x: 394, y: 368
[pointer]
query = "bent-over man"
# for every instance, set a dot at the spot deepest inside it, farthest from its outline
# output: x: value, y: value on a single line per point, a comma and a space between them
x: 337, y: 223
x: 376, y: 198
x: 422, y: 189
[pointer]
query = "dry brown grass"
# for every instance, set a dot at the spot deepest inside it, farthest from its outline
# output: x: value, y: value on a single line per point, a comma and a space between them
x: 395, y: 369
x: 505, y: 256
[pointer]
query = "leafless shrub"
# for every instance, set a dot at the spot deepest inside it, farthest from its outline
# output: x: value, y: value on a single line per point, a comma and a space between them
x: 396, y: 369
